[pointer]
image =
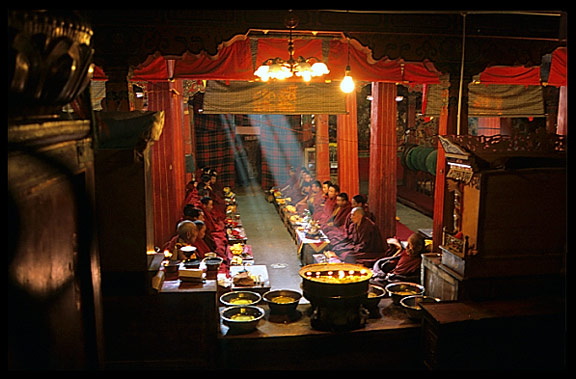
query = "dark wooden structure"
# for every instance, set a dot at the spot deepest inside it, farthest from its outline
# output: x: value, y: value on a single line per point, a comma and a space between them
x: 506, y: 231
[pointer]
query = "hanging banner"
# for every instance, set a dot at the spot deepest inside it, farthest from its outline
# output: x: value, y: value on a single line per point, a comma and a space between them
x: 505, y: 101
x: 287, y: 98
x: 492, y: 100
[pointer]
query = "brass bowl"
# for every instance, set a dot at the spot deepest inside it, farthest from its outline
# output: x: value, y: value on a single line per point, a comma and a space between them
x: 236, y: 298
x: 399, y: 290
x: 411, y: 305
x: 242, y: 319
x: 289, y: 303
x: 374, y: 295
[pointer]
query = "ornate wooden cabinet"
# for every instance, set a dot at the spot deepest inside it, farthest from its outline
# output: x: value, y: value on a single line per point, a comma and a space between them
x: 507, y: 233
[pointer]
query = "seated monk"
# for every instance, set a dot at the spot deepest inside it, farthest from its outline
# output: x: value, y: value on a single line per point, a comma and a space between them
x: 194, y: 214
x: 291, y: 183
x: 202, y: 247
x: 186, y: 234
x: 214, y: 227
x: 325, y: 212
x: 363, y: 243
x: 334, y: 227
x: 312, y: 201
x: 402, y: 266
x: 191, y: 193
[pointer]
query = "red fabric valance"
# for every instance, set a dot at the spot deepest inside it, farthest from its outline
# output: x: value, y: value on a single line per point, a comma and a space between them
x: 234, y: 62
x: 99, y: 74
x: 511, y: 75
x: 559, y: 68
x: 278, y: 47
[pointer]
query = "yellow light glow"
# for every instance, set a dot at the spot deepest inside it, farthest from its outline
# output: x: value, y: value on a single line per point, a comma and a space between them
x: 347, y: 84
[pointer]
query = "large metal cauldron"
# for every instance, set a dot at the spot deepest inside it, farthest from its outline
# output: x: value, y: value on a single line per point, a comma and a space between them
x: 336, y: 292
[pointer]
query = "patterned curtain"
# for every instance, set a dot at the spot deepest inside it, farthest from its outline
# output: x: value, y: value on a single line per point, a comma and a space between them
x: 280, y: 144
x: 215, y: 145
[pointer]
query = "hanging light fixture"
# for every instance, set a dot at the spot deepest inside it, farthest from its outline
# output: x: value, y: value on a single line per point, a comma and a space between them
x: 277, y: 68
x: 347, y: 84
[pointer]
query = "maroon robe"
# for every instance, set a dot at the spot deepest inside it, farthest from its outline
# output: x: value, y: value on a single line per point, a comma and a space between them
x: 216, y: 229
x: 408, y: 264
x: 337, y: 231
x: 362, y: 245
x: 325, y: 212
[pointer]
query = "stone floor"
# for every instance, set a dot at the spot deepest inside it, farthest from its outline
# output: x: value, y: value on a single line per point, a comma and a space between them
x: 273, y: 246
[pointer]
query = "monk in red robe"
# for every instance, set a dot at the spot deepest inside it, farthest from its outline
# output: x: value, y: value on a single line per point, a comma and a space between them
x: 213, y: 226
x: 186, y: 235
x: 404, y: 265
x: 325, y: 212
x: 313, y: 200
x: 336, y: 224
x: 202, y: 246
x: 363, y: 243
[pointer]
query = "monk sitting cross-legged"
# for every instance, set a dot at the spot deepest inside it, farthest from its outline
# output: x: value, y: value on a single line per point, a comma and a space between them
x: 363, y: 243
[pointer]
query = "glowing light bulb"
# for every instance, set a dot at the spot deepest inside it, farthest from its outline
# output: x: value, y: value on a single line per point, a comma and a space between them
x: 347, y: 84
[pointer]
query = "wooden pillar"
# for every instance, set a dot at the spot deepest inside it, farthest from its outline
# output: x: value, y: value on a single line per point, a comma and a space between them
x: 322, y: 148
x: 447, y: 126
x: 347, y: 140
x: 562, y: 126
x: 382, y: 183
x: 168, y: 167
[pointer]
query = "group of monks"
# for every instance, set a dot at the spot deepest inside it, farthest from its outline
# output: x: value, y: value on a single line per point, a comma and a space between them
x: 202, y: 222
x: 350, y: 226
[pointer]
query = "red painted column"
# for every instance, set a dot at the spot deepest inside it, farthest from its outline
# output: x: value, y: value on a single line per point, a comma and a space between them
x: 347, y: 140
x: 322, y: 148
x: 168, y: 167
x: 382, y: 183
x: 440, y: 184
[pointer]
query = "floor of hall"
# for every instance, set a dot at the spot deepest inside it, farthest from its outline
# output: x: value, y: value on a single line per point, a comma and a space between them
x: 272, y: 244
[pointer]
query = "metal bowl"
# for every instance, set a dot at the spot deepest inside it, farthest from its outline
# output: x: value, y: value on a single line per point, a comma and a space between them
x: 411, y: 305
x: 400, y: 290
x: 374, y: 295
x: 244, y: 298
x: 285, y: 307
x: 242, y: 319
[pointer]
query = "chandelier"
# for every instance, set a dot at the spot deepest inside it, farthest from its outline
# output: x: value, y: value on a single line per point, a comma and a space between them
x: 278, y: 68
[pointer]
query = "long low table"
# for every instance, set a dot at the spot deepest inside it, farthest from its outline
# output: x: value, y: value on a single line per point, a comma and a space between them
x: 389, y: 341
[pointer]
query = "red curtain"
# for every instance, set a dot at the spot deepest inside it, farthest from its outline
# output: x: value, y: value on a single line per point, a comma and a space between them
x: 278, y: 47
x: 511, y: 75
x: 559, y: 68
x: 234, y: 62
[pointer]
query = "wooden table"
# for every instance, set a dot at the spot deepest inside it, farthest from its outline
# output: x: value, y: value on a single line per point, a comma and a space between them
x: 307, y: 247
x: 496, y: 334
x: 389, y: 341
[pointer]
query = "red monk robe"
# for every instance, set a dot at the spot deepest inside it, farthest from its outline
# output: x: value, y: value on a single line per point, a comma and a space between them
x: 363, y: 243
x: 214, y: 227
x: 325, y: 212
x: 312, y: 201
x: 402, y: 266
x: 335, y: 229
x: 203, y: 247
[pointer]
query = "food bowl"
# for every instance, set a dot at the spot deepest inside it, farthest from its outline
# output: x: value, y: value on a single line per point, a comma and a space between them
x: 400, y: 290
x: 194, y: 263
x: 243, y: 298
x: 374, y: 295
x: 411, y: 305
x: 282, y: 301
x: 242, y: 319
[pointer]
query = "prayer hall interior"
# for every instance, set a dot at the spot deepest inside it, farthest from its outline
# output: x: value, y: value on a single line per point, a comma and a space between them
x: 228, y: 189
